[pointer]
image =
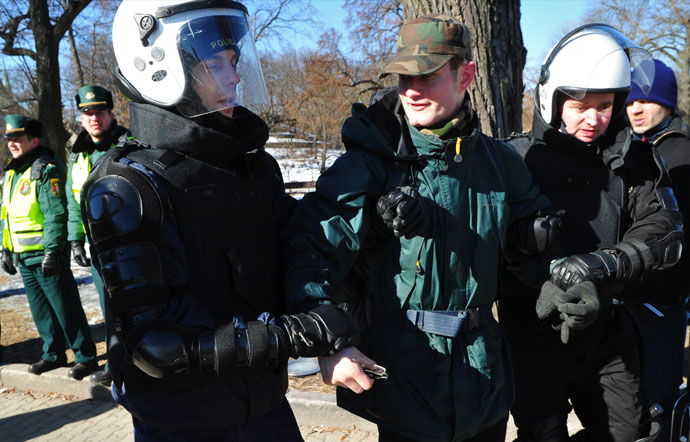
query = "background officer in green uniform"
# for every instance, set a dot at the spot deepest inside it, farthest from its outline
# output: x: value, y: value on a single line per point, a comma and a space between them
x: 100, y: 133
x: 33, y: 221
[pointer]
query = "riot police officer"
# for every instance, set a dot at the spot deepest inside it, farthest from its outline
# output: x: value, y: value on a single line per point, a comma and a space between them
x: 34, y: 216
x: 572, y: 348
x: 184, y: 223
x: 100, y: 133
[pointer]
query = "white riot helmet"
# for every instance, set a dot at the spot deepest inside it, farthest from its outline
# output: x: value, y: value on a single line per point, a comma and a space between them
x: 195, y: 55
x: 592, y: 58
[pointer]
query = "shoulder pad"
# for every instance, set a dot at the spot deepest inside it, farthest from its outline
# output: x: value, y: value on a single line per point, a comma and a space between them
x: 38, y: 166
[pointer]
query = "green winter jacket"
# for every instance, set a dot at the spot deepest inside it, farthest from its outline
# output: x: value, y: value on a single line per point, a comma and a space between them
x: 84, y: 155
x: 48, y: 170
x: 439, y: 388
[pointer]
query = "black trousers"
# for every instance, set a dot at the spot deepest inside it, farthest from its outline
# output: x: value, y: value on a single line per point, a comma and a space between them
x: 495, y: 433
x: 598, y: 372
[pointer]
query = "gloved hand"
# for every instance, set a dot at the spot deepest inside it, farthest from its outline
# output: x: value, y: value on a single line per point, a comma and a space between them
x: 50, y: 265
x: 579, y: 307
x: 546, y: 307
x: 573, y: 309
x: 402, y: 210
x: 323, y: 331
x: 79, y: 253
x: 6, y: 262
x: 598, y: 267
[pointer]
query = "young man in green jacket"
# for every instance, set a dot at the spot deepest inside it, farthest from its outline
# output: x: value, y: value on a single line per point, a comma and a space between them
x: 409, y: 227
x: 100, y: 133
x: 33, y: 221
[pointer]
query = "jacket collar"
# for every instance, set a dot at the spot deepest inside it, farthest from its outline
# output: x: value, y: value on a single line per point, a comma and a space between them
x: 20, y: 164
x: 210, y: 138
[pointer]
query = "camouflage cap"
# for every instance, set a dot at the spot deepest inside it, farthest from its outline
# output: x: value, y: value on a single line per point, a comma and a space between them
x: 426, y: 43
x: 18, y: 125
x: 94, y: 97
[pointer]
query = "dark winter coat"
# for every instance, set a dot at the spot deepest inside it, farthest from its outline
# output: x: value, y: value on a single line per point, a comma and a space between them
x: 611, y: 192
x: 439, y: 388
x: 222, y: 207
x: 674, y: 148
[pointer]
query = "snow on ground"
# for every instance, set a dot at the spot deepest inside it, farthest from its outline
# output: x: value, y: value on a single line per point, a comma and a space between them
x: 299, y: 164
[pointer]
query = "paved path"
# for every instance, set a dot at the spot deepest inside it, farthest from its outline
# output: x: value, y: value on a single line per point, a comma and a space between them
x: 26, y: 416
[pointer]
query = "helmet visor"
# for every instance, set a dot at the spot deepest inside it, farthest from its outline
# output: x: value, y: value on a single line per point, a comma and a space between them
x: 221, y: 66
x: 618, y: 64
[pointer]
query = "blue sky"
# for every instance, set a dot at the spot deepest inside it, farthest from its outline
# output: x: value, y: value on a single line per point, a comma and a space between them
x: 543, y: 22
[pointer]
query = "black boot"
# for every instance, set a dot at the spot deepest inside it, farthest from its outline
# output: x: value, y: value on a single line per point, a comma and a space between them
x: 42, y: 366
x: 81, y: 369
x: 101, y: 377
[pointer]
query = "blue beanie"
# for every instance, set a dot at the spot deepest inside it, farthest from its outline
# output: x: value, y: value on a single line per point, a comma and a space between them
x: 664, y: 88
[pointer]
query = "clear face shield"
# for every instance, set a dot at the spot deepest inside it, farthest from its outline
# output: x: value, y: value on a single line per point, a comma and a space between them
x: 613, y: 63
x: 221, y: 66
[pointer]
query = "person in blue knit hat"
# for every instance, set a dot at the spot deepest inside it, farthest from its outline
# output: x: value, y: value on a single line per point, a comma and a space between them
x: 657, y: 304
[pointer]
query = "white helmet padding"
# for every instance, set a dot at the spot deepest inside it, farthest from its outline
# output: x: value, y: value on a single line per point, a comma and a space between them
x: 198, y: 56
x: 592, y: 58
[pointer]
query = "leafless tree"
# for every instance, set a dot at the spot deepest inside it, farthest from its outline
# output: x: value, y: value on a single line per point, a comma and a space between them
x: 34, y: 29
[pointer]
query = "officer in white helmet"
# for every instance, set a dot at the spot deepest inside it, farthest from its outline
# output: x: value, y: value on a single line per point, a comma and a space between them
x: 184, y: 221
x: 571, y: 344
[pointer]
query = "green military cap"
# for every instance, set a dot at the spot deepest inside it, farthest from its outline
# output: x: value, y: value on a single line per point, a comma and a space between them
x: 18, y: 125
x: 94, y: 97
x: 426, y: 43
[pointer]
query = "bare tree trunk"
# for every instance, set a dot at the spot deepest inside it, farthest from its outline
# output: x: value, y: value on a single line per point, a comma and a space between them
x: 48, y: 77
x: 76, y: 63
x: 498, y: 51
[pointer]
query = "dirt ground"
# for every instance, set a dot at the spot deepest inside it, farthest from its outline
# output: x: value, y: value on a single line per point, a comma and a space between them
x: 22, y: 344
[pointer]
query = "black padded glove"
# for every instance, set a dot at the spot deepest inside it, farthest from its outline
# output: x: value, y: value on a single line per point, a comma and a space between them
x: 402, y: 210
x: 79, y: 253
x: 598, y: 267
x: 579, y: 307
x: 6, y: 262
x: 50, y: 265
x: 323, y: 331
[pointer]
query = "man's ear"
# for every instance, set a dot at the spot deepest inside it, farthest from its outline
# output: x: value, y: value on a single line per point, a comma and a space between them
x: 468, y: 70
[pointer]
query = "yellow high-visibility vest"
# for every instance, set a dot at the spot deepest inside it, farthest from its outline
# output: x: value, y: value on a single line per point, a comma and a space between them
x: 80, y: 171
x: 21, y: 214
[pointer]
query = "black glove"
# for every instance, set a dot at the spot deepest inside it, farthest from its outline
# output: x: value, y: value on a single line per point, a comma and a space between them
x: 598, y: 267
x: 50, y: 265
x: 79, y: 253
x: 323, y: 331
x: 7, y: 264
x: 579, y: 307
x: 402, y: 210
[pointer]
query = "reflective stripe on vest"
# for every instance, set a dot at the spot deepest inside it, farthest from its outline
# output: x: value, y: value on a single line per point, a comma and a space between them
x: 21, y: 214
x: 80, y: 171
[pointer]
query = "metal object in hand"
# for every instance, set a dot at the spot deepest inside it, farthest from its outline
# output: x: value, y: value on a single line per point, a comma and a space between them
x: 376, y: 372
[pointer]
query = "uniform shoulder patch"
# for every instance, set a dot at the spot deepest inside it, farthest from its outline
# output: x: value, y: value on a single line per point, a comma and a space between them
x: 55, y: 187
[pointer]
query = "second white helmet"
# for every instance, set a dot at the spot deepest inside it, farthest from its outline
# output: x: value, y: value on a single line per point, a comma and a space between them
x: 592, y: 58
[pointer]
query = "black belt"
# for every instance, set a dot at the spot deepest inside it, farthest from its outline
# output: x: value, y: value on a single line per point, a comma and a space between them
x: 439, y: 322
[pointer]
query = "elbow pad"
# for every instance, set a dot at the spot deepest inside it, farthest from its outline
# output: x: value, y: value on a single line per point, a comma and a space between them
x: 536, y: 234
x: 164, y: 354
